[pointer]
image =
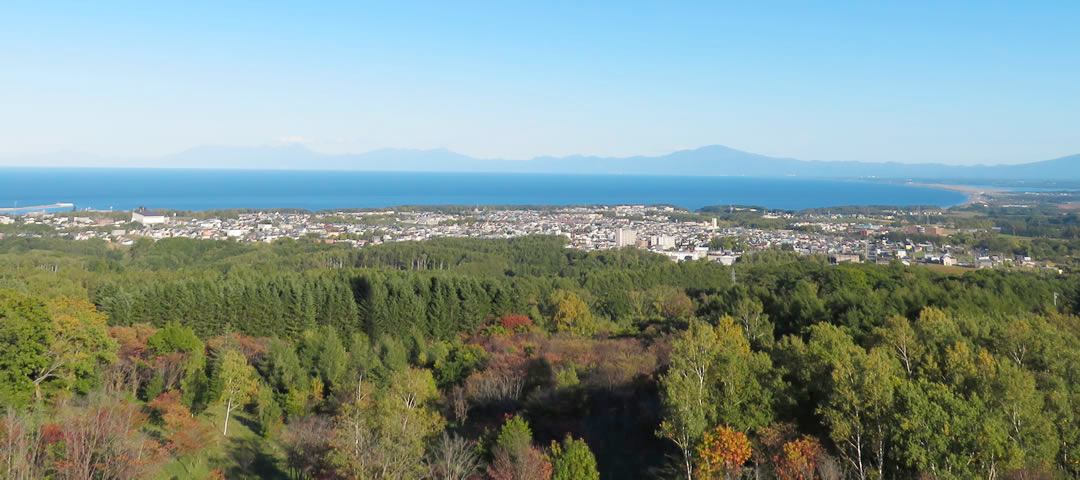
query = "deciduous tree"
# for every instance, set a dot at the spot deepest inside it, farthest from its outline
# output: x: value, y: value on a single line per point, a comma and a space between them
x: 572, y: 315
x: 686, y: 390
x: 238, y: 383
x: 307, y: 443
x: 22, y: 448
x: 722, y: 453
x: 187, y: 435
x: 382, y: 434
x: 799, y: 459
x: 454, y: 458
x: 80, y: 343
x: 25, y: 338
x: 104, y: 440
x: 744, y: 381
x: 859, y: 388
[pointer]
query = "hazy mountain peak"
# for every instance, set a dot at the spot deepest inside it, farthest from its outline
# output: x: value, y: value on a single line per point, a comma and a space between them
x: 710, y: 160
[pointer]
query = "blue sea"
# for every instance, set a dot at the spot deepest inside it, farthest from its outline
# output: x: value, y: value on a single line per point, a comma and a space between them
x: 188, y: 189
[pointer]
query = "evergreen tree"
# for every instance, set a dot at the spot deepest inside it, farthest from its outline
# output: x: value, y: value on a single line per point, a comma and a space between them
x: 572, y: 460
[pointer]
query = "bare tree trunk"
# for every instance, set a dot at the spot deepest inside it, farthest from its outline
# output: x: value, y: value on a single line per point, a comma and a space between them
x: 228, y: 410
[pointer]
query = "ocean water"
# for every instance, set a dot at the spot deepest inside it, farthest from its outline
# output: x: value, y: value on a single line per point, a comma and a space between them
x: 187, y: 189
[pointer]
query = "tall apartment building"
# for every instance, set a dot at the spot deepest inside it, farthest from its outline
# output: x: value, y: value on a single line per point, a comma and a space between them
x: 664, y: 242
x: 625, y: 237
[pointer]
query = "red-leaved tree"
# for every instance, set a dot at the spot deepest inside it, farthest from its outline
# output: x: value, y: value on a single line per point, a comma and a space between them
x: 187, y: 435
x: 527, y: 464
x: 105, y: 440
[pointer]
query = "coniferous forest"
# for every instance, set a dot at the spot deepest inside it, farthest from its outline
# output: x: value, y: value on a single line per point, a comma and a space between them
x: 522, y: 359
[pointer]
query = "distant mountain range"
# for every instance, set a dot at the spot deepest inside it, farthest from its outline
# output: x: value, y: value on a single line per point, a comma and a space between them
x: 710, y: 161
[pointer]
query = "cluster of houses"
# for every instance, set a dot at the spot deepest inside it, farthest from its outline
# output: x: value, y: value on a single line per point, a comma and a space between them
x: 588, y: 228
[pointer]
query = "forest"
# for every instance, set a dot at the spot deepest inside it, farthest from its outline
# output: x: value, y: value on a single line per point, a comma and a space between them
x: 523, y: 359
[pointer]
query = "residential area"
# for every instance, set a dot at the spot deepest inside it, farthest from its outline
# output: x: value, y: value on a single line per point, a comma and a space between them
x: 661, y: 229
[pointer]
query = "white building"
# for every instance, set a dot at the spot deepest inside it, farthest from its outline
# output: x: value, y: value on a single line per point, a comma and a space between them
x: 148, y: 217
x: 625, y: 237
x: 680, y: 255
x: 727, y: 260
x: 846, y: 258
x: 663, y: 242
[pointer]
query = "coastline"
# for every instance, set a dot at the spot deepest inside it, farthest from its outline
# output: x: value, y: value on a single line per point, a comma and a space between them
x: 974, y: 194
x: 317, y: 190
x: 36, y: 207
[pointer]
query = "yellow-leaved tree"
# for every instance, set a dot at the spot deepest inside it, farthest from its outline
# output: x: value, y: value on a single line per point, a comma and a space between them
x: 238, y: 383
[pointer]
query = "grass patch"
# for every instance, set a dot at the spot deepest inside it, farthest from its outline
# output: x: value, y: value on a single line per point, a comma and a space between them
x: 244, y: 454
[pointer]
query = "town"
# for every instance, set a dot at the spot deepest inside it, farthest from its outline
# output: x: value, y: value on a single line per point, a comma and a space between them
x: 676, y: 233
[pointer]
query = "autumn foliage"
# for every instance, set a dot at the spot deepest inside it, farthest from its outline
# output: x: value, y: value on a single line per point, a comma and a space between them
x: 186, y: 435
x: 515, y: 457
x: 516, y: 322
x: 528, y: 464
x: 105, y: 440
x: 799, y: 460
x: 722, y: 454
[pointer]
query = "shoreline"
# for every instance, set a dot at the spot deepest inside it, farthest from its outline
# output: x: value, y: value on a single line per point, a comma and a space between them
x: 974, y: 194
x: 36, y: 207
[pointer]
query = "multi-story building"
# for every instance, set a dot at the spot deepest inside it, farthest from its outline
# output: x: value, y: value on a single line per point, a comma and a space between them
x: 625, y: 237
x: 663, y: 242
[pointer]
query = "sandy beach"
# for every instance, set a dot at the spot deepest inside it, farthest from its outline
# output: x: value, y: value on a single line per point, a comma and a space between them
x: 974, y: 194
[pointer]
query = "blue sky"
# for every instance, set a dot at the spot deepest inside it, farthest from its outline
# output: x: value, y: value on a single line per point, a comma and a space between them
x: 954, y: 82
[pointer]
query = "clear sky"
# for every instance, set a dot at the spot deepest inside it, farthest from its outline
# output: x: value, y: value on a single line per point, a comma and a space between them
x: 942, y: 81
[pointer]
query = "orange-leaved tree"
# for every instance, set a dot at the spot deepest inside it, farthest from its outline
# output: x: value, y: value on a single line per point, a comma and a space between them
x: 187, y: 435
x: 799, y: 460
x: 722, y: 453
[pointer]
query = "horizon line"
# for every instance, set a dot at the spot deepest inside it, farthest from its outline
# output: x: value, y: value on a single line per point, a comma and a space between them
x: 305, y: 147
